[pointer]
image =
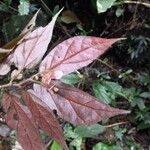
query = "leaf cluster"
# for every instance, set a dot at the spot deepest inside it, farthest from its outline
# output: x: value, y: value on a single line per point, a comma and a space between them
x: 29, y: 101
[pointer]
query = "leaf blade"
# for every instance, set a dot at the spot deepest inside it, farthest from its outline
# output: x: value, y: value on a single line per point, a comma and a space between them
x: 19, y: 118
x: 31, y: 51
x: 74, y: 105
x: 44, y: 117
x: 74, y: 53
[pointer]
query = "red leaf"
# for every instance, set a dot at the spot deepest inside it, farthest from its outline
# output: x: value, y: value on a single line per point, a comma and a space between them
x: 9, y: 110
x: 27, y: 132
x: 74, y: 54
x: 7, y: 61
x: 34, y: 46
x: 10, y: 118
x: 6, y: 102
x: 44, y: 117
x: 74, y: 105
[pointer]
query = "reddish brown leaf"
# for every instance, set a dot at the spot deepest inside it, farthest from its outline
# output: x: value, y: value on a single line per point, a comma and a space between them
x: 19, y: 117
x: 74, y: 54
x: 44, y: 117
x: 27, y: 133
x: 10, y: 118
x: 9, y: 110
x: 34, y: 46
x: 6, y: 102
x: 10, y: 46
x: 74, y: 105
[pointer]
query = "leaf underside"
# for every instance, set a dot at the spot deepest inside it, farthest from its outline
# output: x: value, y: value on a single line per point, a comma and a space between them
x: 44, y: 117
x: 19, y: 118
x: 74, y: 105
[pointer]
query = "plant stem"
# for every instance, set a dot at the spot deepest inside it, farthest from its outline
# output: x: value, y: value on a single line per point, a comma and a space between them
x: 3, y: 51
x: 131, y: 79
x: 115, y: 124
x: 133, y: 2
x: 10, y: 7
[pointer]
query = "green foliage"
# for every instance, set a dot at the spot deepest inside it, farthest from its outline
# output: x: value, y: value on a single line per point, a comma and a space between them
x: 144, y: 78
x: 89, y: 131
x: 102, y: 146
x: 83, y: 131
x: 132, y: 144
x: 74, y: 138
x: 134, y: 51
x: 145, y: 95
x: 13, y: 27
x: 56, y: 9
x: 7, y: 2
x: 119, y: 12
x: 107, y: 91
x: 119, y: 132
x: 56, y: 146
x: 4, y: 7
x: 142, y: 43
x: 124, y: 75
x: 143, y: 117
x: 71, y: 78
x: 23, y: 8
x: 103, y: 5
x: 76, y: 135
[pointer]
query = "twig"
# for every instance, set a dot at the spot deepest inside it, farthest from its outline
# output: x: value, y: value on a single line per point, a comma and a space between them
x: 133, y: 2
x: 115, y: 124
x: 112, y: 68
x: 10, y: 7
x: 31, y: 79
x: 109, y: 66
x: 3, y: 51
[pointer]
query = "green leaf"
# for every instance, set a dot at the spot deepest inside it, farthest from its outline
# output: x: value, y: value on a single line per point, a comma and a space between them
x: 103, y: 5
x: 119, y: 12
x: 23, y: 8
x: 107, y: 91
x: 138, y: 102
x: 4, y: 7
x: 70, y: 79
x: 119, y: 132
x: 14, y: 26
x: 77, y: 142
x: 69, y: 132
x: 143, y: 125
x: 56, y: 146
x: 145, y: 95
x: 100, y: 92
x: 56, y: 9
x: 7, y: 2
x: 101, y: 146
x: 144, y: 79
x: 89, y: 131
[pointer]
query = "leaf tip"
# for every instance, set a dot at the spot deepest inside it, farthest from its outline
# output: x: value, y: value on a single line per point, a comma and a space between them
x: 125, y: 111
x: 123, y: 38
